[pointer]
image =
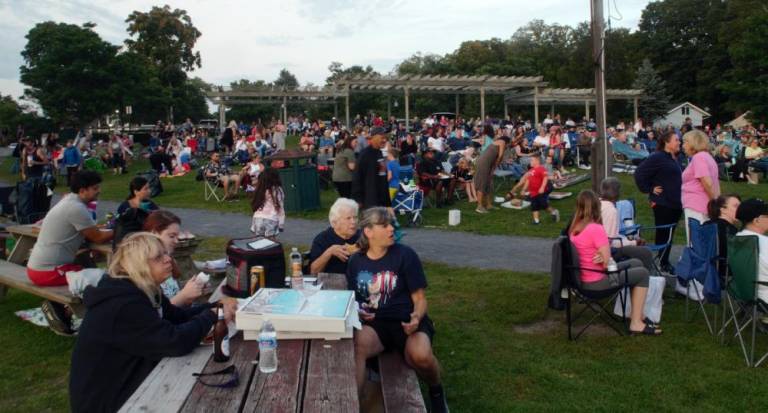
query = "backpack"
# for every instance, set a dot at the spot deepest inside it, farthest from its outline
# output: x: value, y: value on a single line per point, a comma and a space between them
x: 200, y: 174
x: 132, y: 220
x: 32, y: 201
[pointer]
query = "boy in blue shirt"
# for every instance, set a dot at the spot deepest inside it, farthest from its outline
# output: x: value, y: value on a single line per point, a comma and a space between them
x: 393, y: 171
x: 71, y: 159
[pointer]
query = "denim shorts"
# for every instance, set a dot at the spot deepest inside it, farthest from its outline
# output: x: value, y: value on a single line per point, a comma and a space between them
x: 265, y: 227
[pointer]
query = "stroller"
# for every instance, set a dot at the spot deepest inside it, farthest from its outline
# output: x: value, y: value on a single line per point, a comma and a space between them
x: 409, y: 201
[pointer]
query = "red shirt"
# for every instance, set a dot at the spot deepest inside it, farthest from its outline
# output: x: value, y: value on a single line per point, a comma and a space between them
x: 536, y: 177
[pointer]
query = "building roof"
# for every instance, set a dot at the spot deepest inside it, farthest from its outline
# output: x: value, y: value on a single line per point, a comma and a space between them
x: 703, y: 112
x: 437, y: 84
x: 570, y: 95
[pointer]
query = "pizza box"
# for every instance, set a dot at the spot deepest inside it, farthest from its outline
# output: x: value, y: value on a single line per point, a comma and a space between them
x: 300, y: 335
x: 297, y: 311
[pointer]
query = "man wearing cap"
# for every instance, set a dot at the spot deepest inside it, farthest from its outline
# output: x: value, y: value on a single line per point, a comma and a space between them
x: 369, y: 184
x: 753, y: 214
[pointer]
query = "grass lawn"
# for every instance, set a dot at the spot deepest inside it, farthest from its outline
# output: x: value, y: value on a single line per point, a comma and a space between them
x: 500, y: 348
x: 185, y: 192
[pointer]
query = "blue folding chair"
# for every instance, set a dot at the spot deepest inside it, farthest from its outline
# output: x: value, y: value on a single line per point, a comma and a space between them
x: 699, y: 263
x: 657, y: 249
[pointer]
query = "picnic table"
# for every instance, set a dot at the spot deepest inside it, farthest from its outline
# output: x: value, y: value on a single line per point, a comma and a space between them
x: 312, y: 376
x: 26, y: 237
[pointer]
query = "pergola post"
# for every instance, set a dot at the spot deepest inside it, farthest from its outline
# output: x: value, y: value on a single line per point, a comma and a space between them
x: 636, y: 114
x: 482, y: 104
x: 346, y: 107
x: 407, y: 110
x: 552, y: 110
x: 457, y: 106
x: 586, y: 109
x: 389, y: 107
x: 336, y: 109
x: 222, y: 116
x: 536, y: 106
x: 285, y: 110
x: 506, y: 109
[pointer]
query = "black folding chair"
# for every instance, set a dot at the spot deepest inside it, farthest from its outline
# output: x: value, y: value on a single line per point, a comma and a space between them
x: 597, y: 302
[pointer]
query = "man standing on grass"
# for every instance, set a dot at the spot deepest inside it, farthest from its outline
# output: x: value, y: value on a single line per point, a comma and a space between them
x: 53, y: 261
x: 389, y: 285
x: 369, y: 184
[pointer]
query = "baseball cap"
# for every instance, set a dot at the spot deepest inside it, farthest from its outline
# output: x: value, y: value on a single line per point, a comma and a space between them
x: 378, y: 130
x: 751, y: 209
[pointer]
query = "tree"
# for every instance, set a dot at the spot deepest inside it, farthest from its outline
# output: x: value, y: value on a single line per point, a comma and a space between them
x: 745, y: 30
x: 286, y: 80
x: 167, y: 38
x: 67, y: 71
x: 655, y: 101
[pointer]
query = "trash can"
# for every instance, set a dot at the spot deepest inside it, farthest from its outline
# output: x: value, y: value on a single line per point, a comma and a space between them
x: 300, y: 180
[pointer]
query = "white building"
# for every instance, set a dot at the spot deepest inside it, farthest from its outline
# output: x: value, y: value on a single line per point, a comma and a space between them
x: 676, y: 116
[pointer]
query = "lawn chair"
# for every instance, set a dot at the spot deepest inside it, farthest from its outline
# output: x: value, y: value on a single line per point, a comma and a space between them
x: 213, y: 190
x: 621, y: 163
x: 658, y: 248
x: 409, y: 201
x: 699, y: 263
x: 741, y: 298
x: 598, y: 302
x: 627, y: 222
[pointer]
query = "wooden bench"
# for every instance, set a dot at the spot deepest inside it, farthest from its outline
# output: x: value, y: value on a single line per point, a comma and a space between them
x: 15, y: 276
x: 399, y: 385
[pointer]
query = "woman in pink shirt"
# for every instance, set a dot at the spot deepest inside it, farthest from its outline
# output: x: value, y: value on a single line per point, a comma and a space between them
x: 700, y: 179
x: 588, y: 237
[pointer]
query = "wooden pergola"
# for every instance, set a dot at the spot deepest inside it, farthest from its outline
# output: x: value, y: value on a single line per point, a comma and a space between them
x: 438, y: 84
x: 224, y: 97
x: 571, y: 97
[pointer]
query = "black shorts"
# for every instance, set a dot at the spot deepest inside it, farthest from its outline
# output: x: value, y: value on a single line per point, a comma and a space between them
x: 539, y: 202
x: 392, y: 335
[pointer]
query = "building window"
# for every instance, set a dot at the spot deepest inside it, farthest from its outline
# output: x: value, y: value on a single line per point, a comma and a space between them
x: 685, y: 110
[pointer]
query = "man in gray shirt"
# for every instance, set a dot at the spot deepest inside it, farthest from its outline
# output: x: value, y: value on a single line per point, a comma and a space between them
x: 66, y: 226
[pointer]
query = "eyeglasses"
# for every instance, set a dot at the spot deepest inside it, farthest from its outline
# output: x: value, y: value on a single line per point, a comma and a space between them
x: 234, y: 379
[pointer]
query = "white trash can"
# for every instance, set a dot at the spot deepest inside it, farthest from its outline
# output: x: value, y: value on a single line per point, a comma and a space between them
x: 454, y: 217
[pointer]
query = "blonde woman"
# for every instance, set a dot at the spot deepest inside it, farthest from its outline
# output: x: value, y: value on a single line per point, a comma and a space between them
x: 700, y: 178
x: 130, y: 326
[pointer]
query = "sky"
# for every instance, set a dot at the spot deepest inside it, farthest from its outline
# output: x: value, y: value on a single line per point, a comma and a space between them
x: 255, y: 39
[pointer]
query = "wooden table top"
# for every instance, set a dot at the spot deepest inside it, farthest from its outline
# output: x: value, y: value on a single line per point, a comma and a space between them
x: 312, y: 376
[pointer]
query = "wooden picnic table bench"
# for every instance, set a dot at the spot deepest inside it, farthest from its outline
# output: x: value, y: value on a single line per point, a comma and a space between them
x: 312, y: 376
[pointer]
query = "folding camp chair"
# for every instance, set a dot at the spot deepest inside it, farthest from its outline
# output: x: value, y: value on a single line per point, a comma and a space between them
x: 598, y: 302
x: 658, y: 248
x: 698, y: 263
x: 742, y: 301
x: 212, y: 191
x: 621, y: 163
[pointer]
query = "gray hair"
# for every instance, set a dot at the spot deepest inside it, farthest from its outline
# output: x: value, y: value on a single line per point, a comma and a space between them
x: 341, y: 204
x: 372, y: 216
x: 610, y: 188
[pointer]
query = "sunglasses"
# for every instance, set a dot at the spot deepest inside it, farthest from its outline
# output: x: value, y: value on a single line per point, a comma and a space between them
x: 234, y: 379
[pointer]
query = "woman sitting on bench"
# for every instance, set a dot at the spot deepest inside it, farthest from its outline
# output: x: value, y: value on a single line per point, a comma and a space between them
x: 130, y: 326
x: 389, y: 285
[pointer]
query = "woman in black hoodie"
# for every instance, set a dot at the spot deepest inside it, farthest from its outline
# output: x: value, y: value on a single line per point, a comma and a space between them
x: 130, y: 326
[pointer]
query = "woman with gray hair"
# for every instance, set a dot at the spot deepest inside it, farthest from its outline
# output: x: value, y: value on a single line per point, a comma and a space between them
x: 332, y: 247
x: 389, y: 285
x: 621, y: 247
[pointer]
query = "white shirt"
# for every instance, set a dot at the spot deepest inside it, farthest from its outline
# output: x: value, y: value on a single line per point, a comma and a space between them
x: 762, y: 263
x: 541, y: 141
x: 437, y: 144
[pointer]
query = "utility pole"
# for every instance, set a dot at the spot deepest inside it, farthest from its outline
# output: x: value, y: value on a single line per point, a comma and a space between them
x: 601, y: 161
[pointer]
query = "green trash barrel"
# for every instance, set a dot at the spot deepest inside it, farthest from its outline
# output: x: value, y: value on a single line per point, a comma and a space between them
x: 300, y: 179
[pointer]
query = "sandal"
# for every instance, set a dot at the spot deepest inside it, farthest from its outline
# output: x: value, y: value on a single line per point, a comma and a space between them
x: 647, y: 331
x: 648, y: 322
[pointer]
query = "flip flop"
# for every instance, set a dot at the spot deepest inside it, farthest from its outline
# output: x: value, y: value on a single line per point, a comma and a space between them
x: 647, y: 331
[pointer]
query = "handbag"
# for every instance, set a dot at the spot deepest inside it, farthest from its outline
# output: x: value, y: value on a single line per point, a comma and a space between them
x: 653, y: 300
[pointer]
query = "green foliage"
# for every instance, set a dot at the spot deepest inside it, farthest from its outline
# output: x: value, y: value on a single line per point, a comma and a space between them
x: 286, y: 80
x: 656, y: 101
x: 67, y: 71
x: 12, y: 114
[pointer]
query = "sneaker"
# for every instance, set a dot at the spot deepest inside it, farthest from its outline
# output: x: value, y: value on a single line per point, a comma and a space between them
x: 481, y: 210
x: 58, y: 320
x: 437, y: 400
x: 556, y: 215
x: 536, y: 222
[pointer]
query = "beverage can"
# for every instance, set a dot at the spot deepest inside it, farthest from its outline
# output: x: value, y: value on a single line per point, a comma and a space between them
x: 257, y: 278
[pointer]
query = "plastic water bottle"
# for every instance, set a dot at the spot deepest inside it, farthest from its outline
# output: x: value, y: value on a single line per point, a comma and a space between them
x: 612, y: 267
x: 297, y: 279
x: 267, y: 348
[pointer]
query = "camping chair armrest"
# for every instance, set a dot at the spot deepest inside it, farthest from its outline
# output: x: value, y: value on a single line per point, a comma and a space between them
x: 630, y: 229
x: 612, y: 239
x: 655, y: 227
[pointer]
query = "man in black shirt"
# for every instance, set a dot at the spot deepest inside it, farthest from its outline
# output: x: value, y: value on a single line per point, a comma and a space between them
x: 432, y: 176
x: 389, y: 285
x: 369, y: 184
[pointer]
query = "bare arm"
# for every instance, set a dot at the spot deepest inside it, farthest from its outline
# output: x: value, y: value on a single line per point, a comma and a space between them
x: 338, y: 251
x: 419, y: 311
x: 706, y: 182
x: 95, y: 235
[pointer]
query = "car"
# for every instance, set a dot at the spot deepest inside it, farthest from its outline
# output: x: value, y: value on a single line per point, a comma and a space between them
x: 448, y: 115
